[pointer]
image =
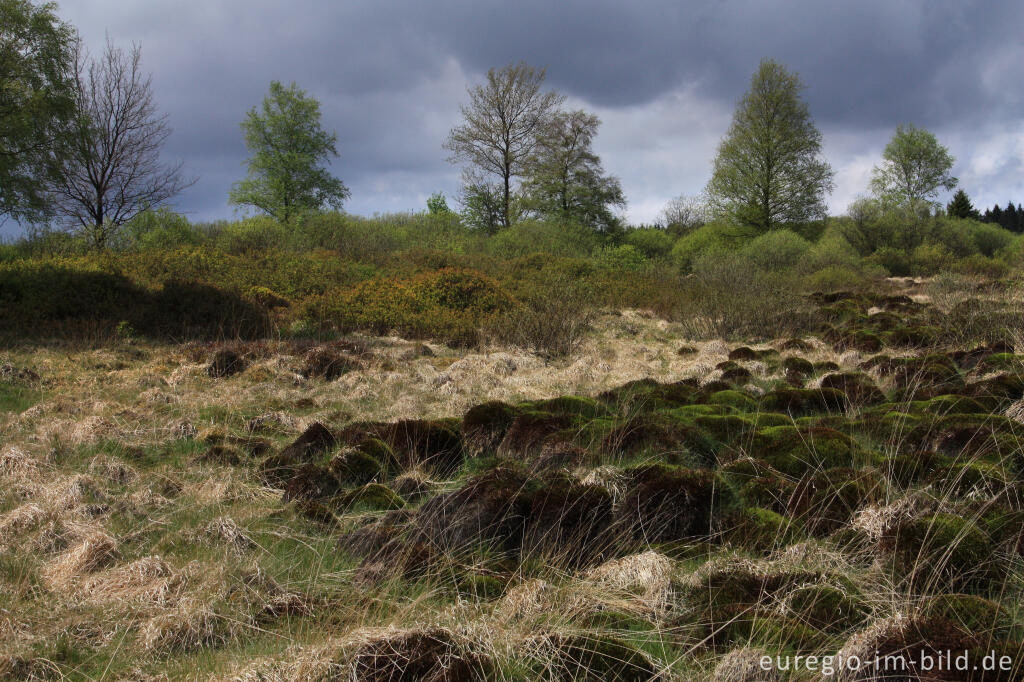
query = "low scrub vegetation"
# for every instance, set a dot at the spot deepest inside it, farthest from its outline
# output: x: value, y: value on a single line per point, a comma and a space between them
x: 335, y: 273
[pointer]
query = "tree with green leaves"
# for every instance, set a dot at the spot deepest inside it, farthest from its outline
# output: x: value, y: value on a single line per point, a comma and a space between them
x: 37, y: 100
x: 287, y: 175
x: 565, y: 179
x: 502, y: 126
x: 437, y: 205
x: 914, y: 168
x: 961, y: 207
x: 483, y: 203
x: 768, y: 173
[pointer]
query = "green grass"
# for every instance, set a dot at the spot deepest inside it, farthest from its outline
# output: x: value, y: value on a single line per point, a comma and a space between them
x: 17, y: 398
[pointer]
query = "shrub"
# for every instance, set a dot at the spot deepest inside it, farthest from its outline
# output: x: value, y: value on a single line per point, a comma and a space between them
x: 732, y: 299
x: 896, y: 262
x: 251, y: 235
x: 531, y: 236
x: 955, y: 235
x: 192, y: 310
x: 837, y: 278
x: 623, y: 258
x: 376, y: 239
x: 551, y: 320
x: 831, y: 250
x: 650, y: 241
x: 873, y: 225
x: 34, y: 295
x: 777, y: 250
x: 1013, y: 253
x: 989, y: 239
x: 931, y: 258
x: 448, y: 304
x: 981, y: 266
x: 160, y: 229
x: 714, y: 238
x: 34, y: 291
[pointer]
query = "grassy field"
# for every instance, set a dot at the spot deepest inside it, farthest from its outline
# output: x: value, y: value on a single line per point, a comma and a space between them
x: 659, y: 503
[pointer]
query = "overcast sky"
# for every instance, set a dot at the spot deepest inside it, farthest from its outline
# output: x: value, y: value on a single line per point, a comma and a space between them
x: 664, y: 77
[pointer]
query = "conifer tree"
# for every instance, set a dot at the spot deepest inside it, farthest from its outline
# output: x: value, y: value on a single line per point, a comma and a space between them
x: 961, y: 207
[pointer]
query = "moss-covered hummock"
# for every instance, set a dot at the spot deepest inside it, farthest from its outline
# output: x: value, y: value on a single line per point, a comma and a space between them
x: 485, y: 425
x: 858, y: 388
x: 943, y: 550
x: 799, y: 401
x: 664, y: 503
x: 762, y: 530
x: 794, y: 450
x: 370, y: 496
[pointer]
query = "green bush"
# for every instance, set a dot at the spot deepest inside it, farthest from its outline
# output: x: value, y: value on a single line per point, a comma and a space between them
x: 930, y: 258
x: 895, y: 261
x: 651, y: 241
x: 160, y: 229
x: 8, y: 253
x: 837, y: 278
x: 713, y: 238
x: 47, y: 297
x: 777, y: 250
x: 451, y: 305
x: 622, y: 258
x: 532, y: 236
x: 1013, y: 253
x: 989, y: 239
x: 251, y: 236
x: 377, y: 239
x: 38, y: 291
x: 873, y: 225
x: 832, y: 250
x: 981, y: 266
x: 954, y: 234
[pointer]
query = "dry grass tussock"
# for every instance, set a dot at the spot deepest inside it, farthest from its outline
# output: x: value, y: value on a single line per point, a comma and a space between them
x: 744, y: 665
x: 19, y: 520
x: 149, y: 580
x: 865, y: 644
x: 192, y: 624
x: 429, y: 652
x: 229, y: 485
x: 95, y: 550
x: 17, y: 465
x: 876, y: 520
x: 644, y: 580
x: 217, y: 607
x: 225, y: 531
x: 639, y: 584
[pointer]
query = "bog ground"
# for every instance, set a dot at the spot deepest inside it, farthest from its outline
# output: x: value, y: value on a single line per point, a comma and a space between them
x: 650, y: 507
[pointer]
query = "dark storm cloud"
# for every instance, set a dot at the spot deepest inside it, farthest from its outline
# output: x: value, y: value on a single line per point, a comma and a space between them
x: 869, y: 62
x: 664, y: 75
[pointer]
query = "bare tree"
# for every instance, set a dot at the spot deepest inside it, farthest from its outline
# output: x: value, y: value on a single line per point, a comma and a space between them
x: 684, y: 214
x: 502, y: 122
x: 111, y: 169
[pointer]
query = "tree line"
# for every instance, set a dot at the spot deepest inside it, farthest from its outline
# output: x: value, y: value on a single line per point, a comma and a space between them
x: 1010, y: 218
x: 81, y: 141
